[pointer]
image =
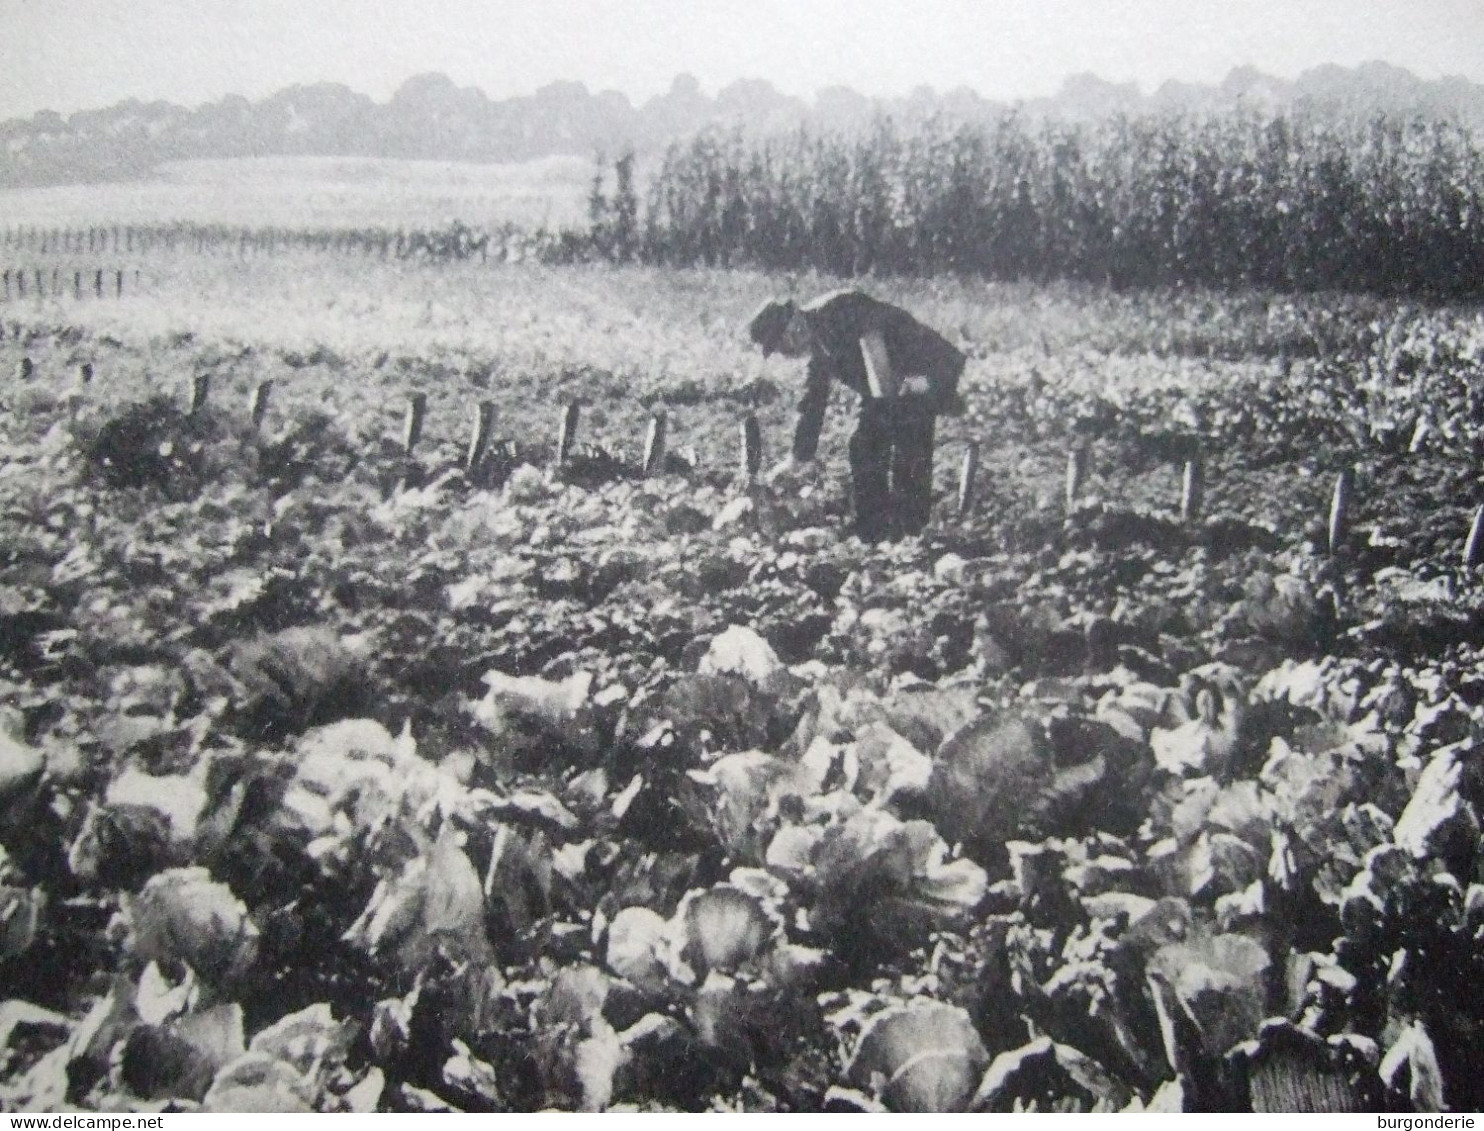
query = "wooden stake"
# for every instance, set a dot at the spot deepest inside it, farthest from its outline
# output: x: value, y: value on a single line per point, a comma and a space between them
x: 484, y: 423
x: 257, y: 406
x: 1473, y: 547
x: 1192, y: 490
x: 752, y: 448
x: 654, y: 446
x: 966, y: 474
x: 200, y: 391
x: 1076, y: 469
x: 1339, y: 510
x: 412, y: 430
x: 567, y: 431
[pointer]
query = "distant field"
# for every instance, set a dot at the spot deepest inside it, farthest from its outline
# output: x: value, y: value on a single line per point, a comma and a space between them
x: 319, y: 193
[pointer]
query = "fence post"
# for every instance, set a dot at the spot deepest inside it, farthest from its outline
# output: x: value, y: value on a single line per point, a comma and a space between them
x: 484, y: 422
x: 118, y: 283
x: 1192, y: 490
x: 567, y: 431
x: 752, y: 448
x: 1473, y: 547
x: 1076, y: 470
x: 257, y: 407
x: 24, y: 369
x: 77, y: 284
x: 1339, y: 510
x: 7, y: 284
x: 200, y: 391
x: 98, y: 283
x: 412, y: 430
x: 85, y: 373
x: 654, y: 446
x: 1474, y: 543
x: 966, y: 474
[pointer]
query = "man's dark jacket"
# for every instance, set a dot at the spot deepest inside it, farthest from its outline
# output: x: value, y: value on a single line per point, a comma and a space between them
x: 837, y: 322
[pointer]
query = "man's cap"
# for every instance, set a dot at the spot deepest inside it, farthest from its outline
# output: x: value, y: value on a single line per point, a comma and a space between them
x: 767, y: 325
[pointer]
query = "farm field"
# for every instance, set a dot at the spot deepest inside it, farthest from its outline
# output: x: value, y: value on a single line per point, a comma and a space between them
x: 339, y: 777
x: 318, y: 193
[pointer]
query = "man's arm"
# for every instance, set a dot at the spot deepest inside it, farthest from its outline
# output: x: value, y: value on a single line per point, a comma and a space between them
x: 811, y: 412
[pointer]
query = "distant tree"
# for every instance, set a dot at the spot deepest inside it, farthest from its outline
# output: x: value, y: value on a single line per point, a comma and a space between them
x: 625, y: 210
x: 598, y: 209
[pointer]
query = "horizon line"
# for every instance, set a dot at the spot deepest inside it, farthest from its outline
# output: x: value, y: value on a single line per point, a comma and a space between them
x: 678, y: 79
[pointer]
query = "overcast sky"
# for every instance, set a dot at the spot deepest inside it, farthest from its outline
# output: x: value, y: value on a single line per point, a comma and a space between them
x: 74, y: 54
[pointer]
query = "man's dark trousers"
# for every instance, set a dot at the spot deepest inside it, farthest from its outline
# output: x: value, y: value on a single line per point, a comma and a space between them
x: 891, y: 467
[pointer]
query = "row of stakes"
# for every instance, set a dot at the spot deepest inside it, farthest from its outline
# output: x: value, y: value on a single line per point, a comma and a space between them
x: 71, y: 239
x: 103, y: 280
x: 651, y: 462
x: 1192, y: 496
x: 1192, y: 484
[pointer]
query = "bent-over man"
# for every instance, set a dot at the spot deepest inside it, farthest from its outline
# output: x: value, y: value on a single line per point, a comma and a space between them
x: 906, y: 375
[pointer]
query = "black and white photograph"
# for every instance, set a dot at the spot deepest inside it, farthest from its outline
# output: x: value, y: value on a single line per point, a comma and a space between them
x: 784, y: 556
